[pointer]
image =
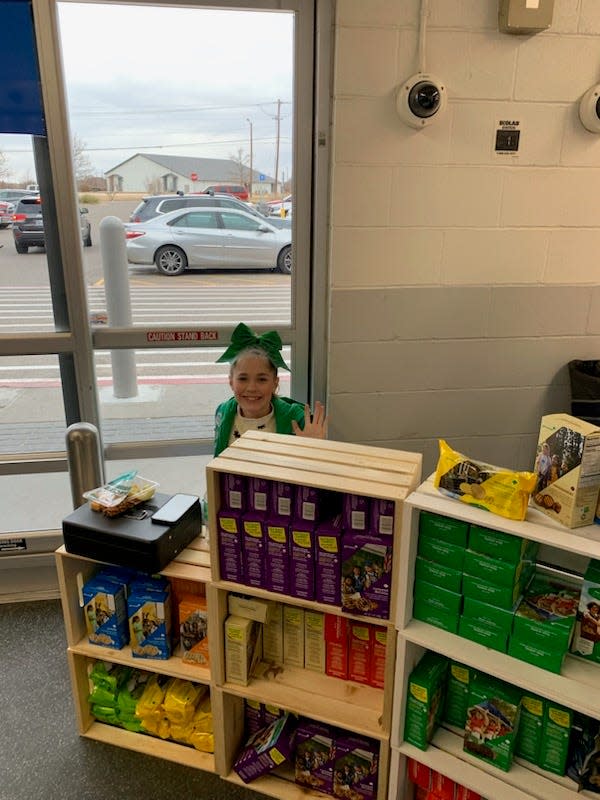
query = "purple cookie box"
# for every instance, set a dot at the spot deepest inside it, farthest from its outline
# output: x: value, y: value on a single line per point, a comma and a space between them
x: 282, y: 498
x: 277, y: 555
x: 302, y: 561
x: 230, y: 546
x: 233, y: 491
x: 382, y: 517
x: 314, y: 756
x: 328, y: 562
x: 259, y: 492
x: 366, y: 575
x: 256, y: 757
x: 253, y: 548
x: 307, y: 505
x: 355, y: 509
x: 355, y: 768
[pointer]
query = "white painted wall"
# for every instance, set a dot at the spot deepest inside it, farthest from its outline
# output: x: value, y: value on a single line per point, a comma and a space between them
x: 462, y: 282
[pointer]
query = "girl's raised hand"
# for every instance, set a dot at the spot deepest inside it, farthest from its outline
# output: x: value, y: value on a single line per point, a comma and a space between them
x: 315, y: 424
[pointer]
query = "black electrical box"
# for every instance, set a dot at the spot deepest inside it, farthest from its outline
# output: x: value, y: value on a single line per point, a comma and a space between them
x: 133, y: 539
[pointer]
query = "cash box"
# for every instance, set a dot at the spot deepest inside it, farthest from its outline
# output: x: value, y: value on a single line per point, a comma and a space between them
x: 133, y: 539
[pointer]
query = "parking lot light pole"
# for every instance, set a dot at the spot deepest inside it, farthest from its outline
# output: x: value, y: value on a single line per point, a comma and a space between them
x: 251, y: 172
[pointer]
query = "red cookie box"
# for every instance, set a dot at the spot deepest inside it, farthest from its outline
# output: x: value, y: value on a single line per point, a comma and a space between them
x: 432, y: 785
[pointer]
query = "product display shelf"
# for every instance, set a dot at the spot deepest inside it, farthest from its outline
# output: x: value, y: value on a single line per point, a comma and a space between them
x: 73, y: 571
x: 347, y: 704
x: 574, y: 687
x: 373, y: 472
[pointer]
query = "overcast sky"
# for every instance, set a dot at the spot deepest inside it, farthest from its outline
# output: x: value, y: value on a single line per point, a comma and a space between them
x: 172, y: 81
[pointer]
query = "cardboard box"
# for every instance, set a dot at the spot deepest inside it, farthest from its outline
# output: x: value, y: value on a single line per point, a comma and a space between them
x: 445, y: 529
x: 558, y: 721
x: 266, y: 749
x: 500, y: 545
x: 484, y: 633
x: 425, y: 699
x: 438, y: 574
x: 293, y: 636
x: 105, y: 604
x: 355, y: 513
x: 494, y: 570
x: 240, y: 641
x: 336, y: 646
x: 567, y: 465
x: 193, y: 630
x: 234, y: 491
x: 253, y: 549
x: 379, y: 638
x: 366, y: 574
x: 586, y: 638
x: 273, y: 635
x: 481, y: 589
x: 486, y: 614
x: 546, y: 614
x: 544, y: 658
x: 314, y: 641
x: 531, y: 728
x: 149, y: 612
x: 359, y: 654
x: 250, y: 607
x: 457, y: 693
x: 434, y: 615
x: 492, y: 720
x: 382, y: 516
x: 229, y: 534
x: 302, y: 561
x: 314, y: 756
x: 328, y: 562
x: 438, y: 597
x: 446, y: 553
x: 355, y: 768
x: 277, y: 554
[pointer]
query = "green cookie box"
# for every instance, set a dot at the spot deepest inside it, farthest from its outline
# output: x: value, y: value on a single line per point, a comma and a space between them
x: 447, y: 529
x: 438, y: 574
x: 434, y: 549
x: 501, y: 545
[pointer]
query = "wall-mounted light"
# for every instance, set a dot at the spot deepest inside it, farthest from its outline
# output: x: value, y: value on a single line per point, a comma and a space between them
x: 589, y: 109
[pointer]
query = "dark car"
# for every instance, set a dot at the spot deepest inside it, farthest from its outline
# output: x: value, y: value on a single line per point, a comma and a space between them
x: 28, y: 225
x: 156, y: 204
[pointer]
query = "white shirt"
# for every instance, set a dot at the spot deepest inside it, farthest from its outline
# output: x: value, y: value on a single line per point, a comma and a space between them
x: 243, y: 424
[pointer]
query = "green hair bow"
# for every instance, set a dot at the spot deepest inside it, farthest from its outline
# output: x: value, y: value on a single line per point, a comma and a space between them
x: 243, y: 338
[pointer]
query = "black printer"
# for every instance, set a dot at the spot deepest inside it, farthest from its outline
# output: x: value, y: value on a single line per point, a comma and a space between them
x: 146, y: 537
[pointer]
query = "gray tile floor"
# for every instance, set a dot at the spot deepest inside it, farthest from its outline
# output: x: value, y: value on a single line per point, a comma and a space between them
x: 41, y: 755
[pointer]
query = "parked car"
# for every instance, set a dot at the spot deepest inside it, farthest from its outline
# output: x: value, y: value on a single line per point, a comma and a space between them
x: 275, y: 206
x: 208, y: 237
x: 14, y: 194
x: 28, y: 225
x: 236, y: 189
x: 7, y: 208
x: 156, y: 204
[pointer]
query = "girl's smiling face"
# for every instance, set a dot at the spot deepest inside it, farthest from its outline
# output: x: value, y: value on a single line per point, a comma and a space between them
x: 253, y: 381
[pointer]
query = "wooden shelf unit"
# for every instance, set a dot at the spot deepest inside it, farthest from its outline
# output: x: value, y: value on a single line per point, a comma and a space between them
x: 73, y: 571
x: 573, y: 688
x: 375, y: 472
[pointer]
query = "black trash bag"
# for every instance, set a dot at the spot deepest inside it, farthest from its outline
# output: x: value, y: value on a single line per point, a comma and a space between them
x: 585, y: 390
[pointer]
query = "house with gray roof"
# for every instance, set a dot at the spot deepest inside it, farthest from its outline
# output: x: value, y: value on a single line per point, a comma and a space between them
x: 155, y: 174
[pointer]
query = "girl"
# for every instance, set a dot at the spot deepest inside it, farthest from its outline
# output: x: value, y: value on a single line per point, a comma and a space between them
x: 254, y: 382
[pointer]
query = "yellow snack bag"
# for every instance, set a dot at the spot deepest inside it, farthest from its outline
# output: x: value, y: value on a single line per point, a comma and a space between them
x: 482, y: 485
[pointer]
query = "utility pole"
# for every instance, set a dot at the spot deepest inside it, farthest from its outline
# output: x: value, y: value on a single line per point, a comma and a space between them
x: 251, y: 171
x: 278, y: 118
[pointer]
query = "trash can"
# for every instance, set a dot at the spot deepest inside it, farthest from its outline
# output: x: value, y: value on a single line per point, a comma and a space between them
x: 585, y: 390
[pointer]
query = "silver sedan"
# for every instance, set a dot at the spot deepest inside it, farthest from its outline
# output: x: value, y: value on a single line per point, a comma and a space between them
x: 210, y: 238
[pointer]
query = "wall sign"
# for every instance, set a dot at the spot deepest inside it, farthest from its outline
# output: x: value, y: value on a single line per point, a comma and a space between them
x: 182, y: 336
x: 507, y: 136
x: 21, y: 108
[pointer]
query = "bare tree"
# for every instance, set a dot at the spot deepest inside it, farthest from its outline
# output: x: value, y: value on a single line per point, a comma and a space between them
x: 4, y: 168
x: 81, y: 163
x: 241, y: 160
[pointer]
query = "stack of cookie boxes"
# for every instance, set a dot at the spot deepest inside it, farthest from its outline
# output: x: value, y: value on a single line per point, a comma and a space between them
x: 483, y: 585
x: 469, y: 580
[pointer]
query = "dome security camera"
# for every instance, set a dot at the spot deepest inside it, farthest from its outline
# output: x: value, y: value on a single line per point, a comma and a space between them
x: 421, y: 99
x: 589, y: 109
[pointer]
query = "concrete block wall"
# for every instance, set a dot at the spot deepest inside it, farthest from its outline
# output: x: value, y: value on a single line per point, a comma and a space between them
x: 462, y: 281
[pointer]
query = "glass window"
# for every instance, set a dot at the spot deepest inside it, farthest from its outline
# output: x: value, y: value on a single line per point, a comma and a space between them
x: 236, y: 222
x: 196, y: 219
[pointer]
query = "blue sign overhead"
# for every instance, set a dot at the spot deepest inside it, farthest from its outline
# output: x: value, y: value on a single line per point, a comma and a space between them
x: 261, y: 177
x: 20, y: 91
